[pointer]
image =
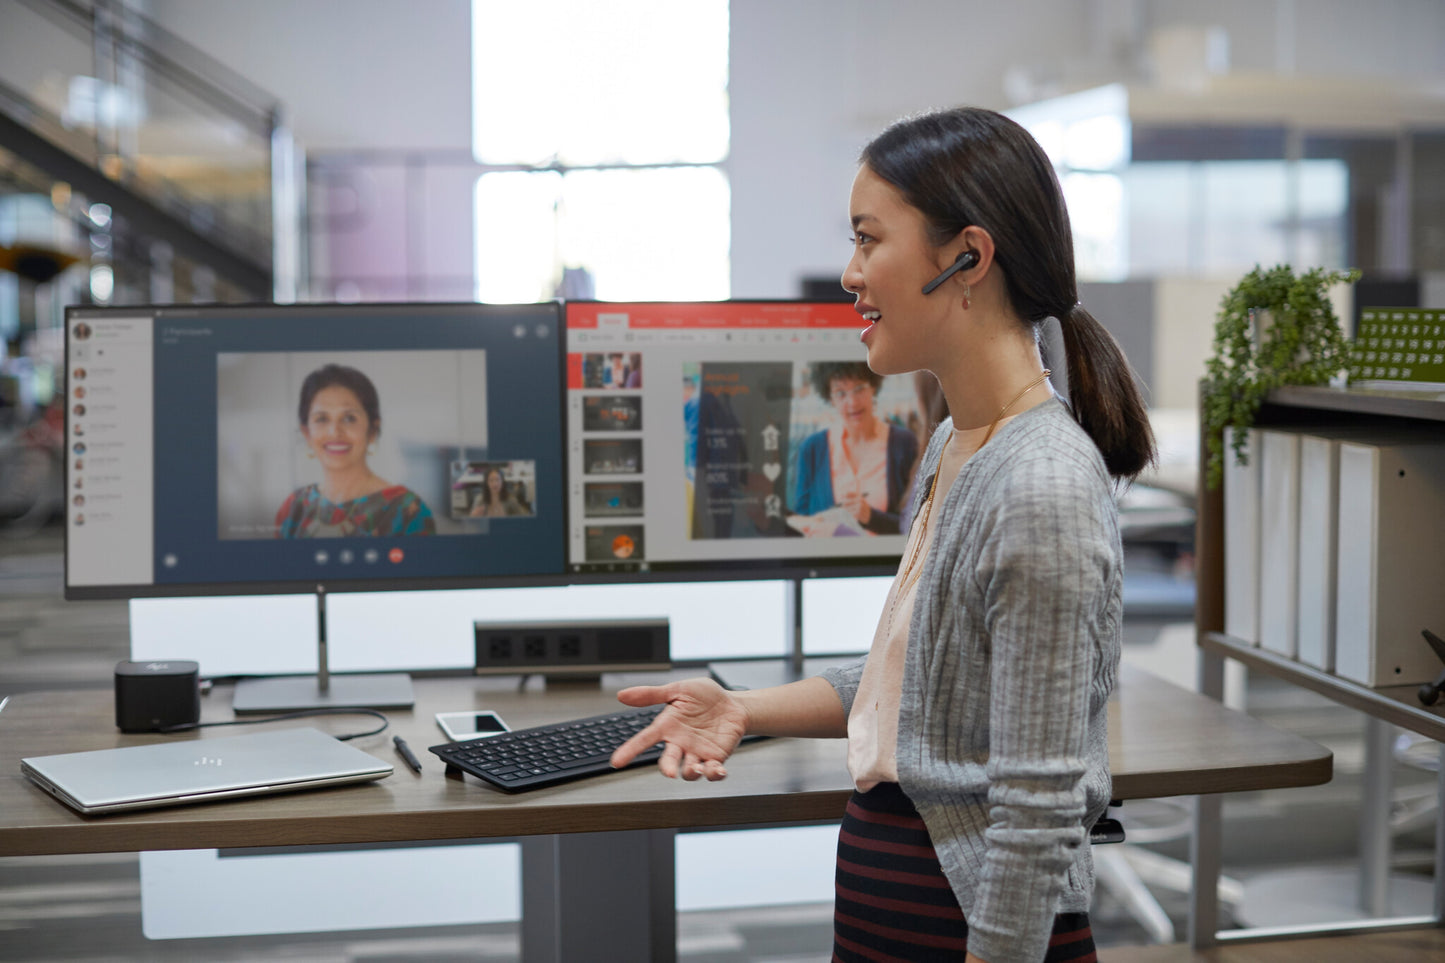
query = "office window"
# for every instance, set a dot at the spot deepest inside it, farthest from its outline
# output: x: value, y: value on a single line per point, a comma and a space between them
x: 1223, y: 217
x: 645, y: 234
x: 600, y: 129
x: 1096, y: 213
x: 1156, y: 200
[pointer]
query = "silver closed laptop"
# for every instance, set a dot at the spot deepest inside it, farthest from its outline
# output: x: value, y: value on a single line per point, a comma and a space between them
x: 201, y: 770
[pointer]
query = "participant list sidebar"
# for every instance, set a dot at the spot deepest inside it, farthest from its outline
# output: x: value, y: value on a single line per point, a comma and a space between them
x: 110, y: 452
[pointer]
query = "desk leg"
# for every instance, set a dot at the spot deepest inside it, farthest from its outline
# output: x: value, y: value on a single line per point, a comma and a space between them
x: 588, y: 896
x: 1440, y: 842
x: 1206, y: 843
x: 1209, y: 675
x: 1375, y: 843
x: 1205, y: 846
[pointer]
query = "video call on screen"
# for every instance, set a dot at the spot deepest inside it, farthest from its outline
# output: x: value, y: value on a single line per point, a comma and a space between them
x: 273, y: 445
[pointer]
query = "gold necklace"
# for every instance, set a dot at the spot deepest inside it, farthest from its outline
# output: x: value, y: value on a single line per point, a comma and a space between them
x: 999, y: 417
x: 909, y: 574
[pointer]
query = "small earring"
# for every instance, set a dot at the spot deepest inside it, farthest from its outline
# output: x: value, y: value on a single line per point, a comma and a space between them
x: 967, y: 293
x: 310, y: 453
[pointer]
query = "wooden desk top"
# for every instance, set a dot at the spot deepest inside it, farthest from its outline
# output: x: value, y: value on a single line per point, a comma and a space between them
x: 1164, y: 741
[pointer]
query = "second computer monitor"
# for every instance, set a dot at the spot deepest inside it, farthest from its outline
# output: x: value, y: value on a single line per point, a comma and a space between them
x: 743, y: 437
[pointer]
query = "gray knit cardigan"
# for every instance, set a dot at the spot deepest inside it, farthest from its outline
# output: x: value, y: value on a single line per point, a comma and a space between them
x: 1013, y: 651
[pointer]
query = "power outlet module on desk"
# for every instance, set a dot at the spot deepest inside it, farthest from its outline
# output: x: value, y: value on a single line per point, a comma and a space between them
x: 572, y: 648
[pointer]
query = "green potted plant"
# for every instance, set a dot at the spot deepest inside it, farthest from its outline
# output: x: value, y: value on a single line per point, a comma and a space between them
x: 1274, y: 328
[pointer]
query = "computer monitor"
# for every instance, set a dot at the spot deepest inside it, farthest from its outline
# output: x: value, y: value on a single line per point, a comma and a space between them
x: 733, y: 439
x: 269, y: 449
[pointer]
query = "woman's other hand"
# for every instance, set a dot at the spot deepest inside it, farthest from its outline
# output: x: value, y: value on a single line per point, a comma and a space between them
x: 701, y: 726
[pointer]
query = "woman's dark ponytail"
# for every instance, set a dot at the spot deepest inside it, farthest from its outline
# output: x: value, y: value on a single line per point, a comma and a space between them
x: 1104, y: 396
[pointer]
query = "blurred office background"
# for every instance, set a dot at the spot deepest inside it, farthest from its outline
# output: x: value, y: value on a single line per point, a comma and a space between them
x: 315, y: 150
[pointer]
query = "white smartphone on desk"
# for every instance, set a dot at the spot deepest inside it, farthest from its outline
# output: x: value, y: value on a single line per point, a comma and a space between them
x: 465, y: 726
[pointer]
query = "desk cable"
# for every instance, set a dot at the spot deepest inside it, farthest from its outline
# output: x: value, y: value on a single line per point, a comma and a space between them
x: 302, y: 714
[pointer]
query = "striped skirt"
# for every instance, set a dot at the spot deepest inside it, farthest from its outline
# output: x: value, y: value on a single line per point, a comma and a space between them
x: 893, y: 901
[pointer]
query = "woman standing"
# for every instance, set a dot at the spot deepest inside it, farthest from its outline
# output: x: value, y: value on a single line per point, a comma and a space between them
x: 863, y: 462
x: 977, y: 724
x: 340, y: 418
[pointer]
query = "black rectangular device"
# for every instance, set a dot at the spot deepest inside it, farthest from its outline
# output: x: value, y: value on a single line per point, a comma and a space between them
x: 157, y: 695
x: 579, y: 648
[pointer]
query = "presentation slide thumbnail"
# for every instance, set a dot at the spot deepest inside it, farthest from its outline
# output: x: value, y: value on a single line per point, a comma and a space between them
x: 612, y: 413
x: 610, y: 499
x: 613, y: 369
x: 614, y: 543
x: 612, y: 456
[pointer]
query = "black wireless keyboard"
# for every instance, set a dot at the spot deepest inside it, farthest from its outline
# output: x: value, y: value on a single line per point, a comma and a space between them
x: 544, y: 755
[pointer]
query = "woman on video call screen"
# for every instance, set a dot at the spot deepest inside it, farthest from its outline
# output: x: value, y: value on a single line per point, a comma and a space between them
x: 340, y: 417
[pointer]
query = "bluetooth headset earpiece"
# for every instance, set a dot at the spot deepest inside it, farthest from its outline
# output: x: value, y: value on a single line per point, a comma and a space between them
x: 963, y: 262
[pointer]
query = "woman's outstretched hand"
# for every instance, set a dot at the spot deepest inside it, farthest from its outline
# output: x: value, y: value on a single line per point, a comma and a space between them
x: 701, y: 726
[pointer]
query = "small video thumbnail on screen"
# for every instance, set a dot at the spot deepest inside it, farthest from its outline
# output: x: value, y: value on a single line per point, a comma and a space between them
x: 612, y: 456
x: 494, y: 489
x: 612, y: 369
x: 612, y: 413
x: 819, y: 449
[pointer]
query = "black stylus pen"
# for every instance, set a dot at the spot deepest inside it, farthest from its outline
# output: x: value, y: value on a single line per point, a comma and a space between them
x: 405, y: 752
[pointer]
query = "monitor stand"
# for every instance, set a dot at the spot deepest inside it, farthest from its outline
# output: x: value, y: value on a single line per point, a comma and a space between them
x: 391, y: 690
x: 764, y: 673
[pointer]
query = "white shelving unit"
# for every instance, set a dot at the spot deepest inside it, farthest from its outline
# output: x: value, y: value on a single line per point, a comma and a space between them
x: 1385, y: 707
